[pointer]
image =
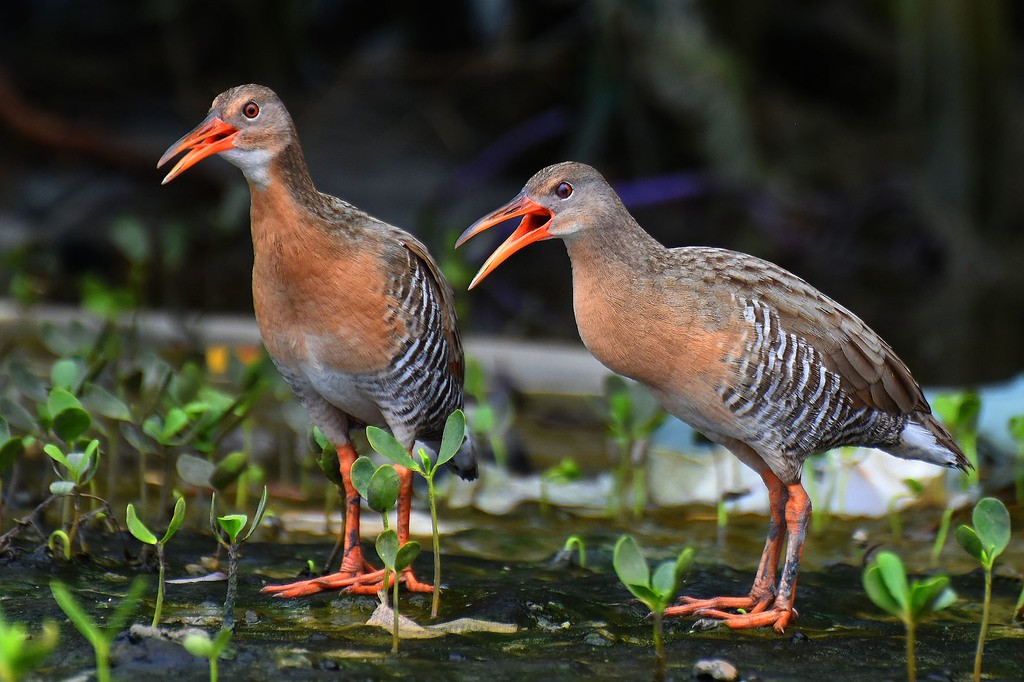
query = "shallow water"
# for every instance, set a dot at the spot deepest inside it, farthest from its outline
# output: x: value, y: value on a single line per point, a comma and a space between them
x: 571, y: 622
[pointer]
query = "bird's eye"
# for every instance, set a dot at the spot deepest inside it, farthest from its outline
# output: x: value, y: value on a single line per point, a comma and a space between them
x: 563, y: 190
x: 251, y: 110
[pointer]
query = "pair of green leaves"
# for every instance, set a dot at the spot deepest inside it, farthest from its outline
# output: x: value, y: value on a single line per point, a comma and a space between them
x: 885, y: 582
x: 137, y: 528
x: 79, y: 466
x: 232, y: 524
x: 657, y: 589
x: 990, y: 534
x: 451, y: 440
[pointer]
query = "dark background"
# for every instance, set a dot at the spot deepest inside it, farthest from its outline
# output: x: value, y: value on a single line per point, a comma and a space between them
x: 874, y: 148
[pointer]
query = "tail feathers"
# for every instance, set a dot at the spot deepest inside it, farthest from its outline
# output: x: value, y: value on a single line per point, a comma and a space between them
x: 924, y: 438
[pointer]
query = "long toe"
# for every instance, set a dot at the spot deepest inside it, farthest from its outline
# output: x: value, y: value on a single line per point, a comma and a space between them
x: 692, y: 605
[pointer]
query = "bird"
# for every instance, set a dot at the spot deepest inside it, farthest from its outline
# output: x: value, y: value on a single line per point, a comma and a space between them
x: 746, y: 352
x: 355, y: 313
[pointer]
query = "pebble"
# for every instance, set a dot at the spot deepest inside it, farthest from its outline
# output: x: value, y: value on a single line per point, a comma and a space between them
x: 715, y: 669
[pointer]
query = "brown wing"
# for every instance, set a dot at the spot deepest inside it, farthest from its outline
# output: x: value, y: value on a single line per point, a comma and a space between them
x: 870, y: 371
x: 446, y: 299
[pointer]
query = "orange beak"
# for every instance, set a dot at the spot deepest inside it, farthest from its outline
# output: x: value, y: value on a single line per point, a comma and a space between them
x: 209, y: 137
x: 533, y: 228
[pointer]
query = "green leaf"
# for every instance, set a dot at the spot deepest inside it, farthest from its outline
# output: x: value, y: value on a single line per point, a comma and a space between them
x: 198, y: 644
x: 61, y: 399
x: 232, y: 524
x: 195, y: 470
x: 65, y: 374
x: 649, y: 597
x: 454, y: 435
x: 5, y: 430
x: 928, y: 596
x: 361, y: 473
x: 104, y: 403
x: 71, y: 423
x: 387, y: 547
x: 176, y: 518
x: 382, y: 492
x: 1017, y: 428
x: 229, y: 469
x: 10, y: 450
x: 663, y: 581
x: 220, y: 642
x: 176, y: 420
x: 17, y: 416
x: 895, y: 578
x: 81, y: 620
x: 27, y: 383
x: 967, y: 538
x: 629, y: 563
x: 62, y: 487
x: 331, y: 466
x: 56, y: 455
x: 257, y: 518
x: 385, y: 444
x: 878, y: 592
x: 137, y: 528
x: 407, y: 553
x: 992, y: 524
x: 914, y: 486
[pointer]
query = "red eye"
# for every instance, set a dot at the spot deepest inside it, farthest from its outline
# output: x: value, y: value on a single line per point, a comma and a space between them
x: 563, y: 190
x: 251, y: 110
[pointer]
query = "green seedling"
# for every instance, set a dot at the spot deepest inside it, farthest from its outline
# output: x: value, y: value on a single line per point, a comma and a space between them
x: 985, y: 541
x: 21, y: 653
x: 574, y: 543
x: 143, y: 534
x: 380, y: 487
x: 632, y: 415
x: 451, y: 440
x: 77, y: 469
x: 59, y: 537
x: 100, y: 638
x: 1016, y: 430
x: 655, y: 590
x: 564, y: 472
x: 11, y: 448
x: 200, y: 644
x: 885, y: 582
x: 914, y: 491
x: 396, y: 559
x: 228, y: 531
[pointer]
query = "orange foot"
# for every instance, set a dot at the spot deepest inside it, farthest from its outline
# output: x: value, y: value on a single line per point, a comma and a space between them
x: 778, y: 617
x: 692, y: 605
x: 368, y: 581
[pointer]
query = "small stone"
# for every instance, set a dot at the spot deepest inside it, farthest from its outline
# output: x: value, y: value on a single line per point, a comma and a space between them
x: 250, y: 617
x: 596, y: 639
x: 799, y: 638
x: 456, y: 657
x: 329, y: 664
x: 715, y: 669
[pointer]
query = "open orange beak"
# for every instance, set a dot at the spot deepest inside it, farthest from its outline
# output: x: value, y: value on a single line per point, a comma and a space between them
x: 209, y: 137
x: 532, y: 228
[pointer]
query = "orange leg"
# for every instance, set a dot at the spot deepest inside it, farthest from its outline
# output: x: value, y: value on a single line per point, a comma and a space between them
x: 781, y: 612
x: 762, y: 593
x: 355, y: 574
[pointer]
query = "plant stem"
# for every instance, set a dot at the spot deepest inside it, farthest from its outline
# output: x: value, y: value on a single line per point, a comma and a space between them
x: 394, y: 614
x: 229, y: 601
x: 213, y: 668
x: 435, y: 603
x: 160, y: 585
x: 659, y: 645
x: 102, y: 648
x: 942, y: 534
x: 911, y: 662
x: 985, y: 609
